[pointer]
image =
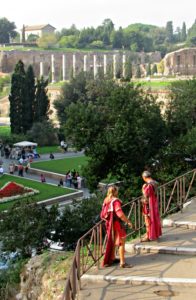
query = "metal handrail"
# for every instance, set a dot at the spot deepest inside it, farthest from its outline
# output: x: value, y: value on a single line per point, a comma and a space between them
x: 90, y: 247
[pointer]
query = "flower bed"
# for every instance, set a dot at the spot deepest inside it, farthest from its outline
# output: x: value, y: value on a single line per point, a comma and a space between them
x: 11, y: 191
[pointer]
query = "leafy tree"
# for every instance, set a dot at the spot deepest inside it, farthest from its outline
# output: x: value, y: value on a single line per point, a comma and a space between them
x: 71, y: 92
x: 68, y: 230
x: 25, y: 225
x: 7, y: 30
x: 114, y: 125
x: 191, y: 38
x: 47, y: 41
x: 117, y: 39
x: 41, y: 103
x: 17, y: 98
x: 181, y: 109
x: 43, y: 133
x: 97, y: 45
x: 69, y: 41
x: 169, y: 32
x: 32, y: 38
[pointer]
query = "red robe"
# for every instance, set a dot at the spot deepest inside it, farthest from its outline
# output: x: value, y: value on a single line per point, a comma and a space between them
x: 115, y: 230
x: 152, y: 211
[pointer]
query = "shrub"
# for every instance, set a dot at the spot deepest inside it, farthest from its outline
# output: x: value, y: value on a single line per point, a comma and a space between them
x: 43, y: 133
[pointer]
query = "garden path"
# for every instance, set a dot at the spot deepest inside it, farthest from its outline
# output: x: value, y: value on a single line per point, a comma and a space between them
x: 45, y: 157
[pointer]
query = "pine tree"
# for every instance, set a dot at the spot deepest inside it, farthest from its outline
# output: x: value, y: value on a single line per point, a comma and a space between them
x: 42, y: 104
x: 30, y: 98
x: 17, y: 98
x: 183, y: 32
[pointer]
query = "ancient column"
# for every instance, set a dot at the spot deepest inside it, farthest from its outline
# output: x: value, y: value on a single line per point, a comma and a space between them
x: 64, y: 67
x: 41, y: 69
x: 52, y: 68
x: 74, y: 65
x: 114, y: 66
x: 105, y: 64
x: 124, y: 65
x: 95, y: 65
x: 85, y: 63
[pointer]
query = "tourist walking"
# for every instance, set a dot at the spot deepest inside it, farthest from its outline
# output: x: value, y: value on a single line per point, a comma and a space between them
x: 150, y: 208
x: 20, y: 170
x: 113, y: 215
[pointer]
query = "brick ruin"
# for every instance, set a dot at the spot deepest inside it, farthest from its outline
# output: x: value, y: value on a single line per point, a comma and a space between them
x: 60, y: 65
x: 180, y: 62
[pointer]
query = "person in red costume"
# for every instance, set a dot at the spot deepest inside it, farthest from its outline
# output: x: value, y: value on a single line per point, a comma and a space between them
x: 150, y: 208
x: 113, y: 215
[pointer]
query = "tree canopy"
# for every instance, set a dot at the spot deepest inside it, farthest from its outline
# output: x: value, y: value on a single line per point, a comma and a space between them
x: 7, y: 30
x: 113, y: 124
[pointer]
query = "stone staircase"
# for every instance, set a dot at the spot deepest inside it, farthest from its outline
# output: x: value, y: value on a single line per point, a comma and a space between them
x: 165, y: 269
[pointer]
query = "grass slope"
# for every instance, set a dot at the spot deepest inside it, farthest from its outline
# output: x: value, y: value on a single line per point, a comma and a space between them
x: 47, y: 191
x: 62, y: 166
x: 4, y: 131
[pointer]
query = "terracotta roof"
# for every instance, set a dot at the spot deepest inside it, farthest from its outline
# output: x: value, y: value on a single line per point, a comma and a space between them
x: 37, y: 27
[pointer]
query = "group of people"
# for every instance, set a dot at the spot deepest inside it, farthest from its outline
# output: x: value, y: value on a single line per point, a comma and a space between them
x: 113, y: 215
x: 73, y: 178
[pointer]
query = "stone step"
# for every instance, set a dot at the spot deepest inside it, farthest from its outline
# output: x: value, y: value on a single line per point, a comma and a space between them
x: 186, y: 224
x: 114, y: 291
x: 140, y: 280
x: 141, y: 248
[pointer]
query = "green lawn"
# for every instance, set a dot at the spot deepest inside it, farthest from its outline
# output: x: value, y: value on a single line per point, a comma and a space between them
x: 154, y: 85
x: 48, y: 149
x: 4, y: 131
x: 62, y: 166
x: 47, y: 191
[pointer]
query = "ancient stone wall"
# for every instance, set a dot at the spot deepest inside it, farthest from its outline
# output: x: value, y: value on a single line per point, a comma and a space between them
x: 61, y: 65
x: 181, y: 62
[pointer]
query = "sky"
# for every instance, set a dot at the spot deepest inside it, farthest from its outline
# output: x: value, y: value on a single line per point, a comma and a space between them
x: 85, y: 13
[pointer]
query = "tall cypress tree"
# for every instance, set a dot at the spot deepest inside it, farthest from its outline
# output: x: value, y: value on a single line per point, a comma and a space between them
x: 17, y: 98
x: 138, y: 72
x: 148, y: 70
x: 183, y: 32
x: 29, y: 99
x: 169, y: 32
x: 42, y: 104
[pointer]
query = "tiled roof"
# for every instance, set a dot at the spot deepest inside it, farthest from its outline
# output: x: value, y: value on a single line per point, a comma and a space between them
x: 37, y: 27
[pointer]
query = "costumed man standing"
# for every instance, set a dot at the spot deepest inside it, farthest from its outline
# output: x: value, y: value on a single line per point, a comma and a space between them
x: 150, y: 208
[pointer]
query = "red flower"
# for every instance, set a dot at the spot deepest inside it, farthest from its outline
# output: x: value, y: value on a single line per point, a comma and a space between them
x: 13, y: 189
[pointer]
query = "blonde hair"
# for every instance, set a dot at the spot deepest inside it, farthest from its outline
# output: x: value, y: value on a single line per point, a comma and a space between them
x: 112, y: 191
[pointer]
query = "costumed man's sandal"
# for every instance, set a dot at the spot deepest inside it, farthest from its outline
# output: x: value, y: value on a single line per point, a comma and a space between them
x: 125, y: 265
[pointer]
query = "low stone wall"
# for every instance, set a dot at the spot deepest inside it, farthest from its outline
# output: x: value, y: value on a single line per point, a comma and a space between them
x: 51, y: 175
x: 60, y: 199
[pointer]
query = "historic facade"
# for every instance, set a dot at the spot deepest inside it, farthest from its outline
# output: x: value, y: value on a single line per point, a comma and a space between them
x: 59, y: 65
x: 180, y: 62
x: 38, y: 30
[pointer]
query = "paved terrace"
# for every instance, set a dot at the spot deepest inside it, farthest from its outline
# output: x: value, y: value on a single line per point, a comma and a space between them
x: 161, y: 270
